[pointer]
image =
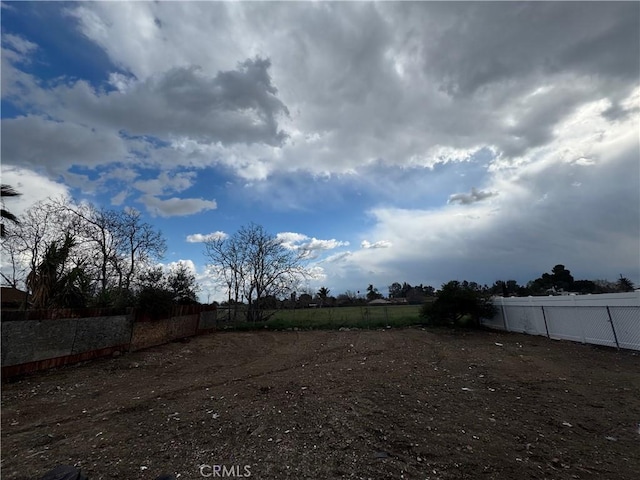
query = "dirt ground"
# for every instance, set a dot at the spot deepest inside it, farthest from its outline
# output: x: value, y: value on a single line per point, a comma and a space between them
x: 404, y: 404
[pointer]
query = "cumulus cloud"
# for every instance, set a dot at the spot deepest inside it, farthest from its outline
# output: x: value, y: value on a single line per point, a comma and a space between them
x: 174, y: 206
x: 19, y: 44
x: 379, y: 244
x: 199, y: 237
x: 235, y: 106
x: 188, y: 263
x: 119, y: 198
x: 337, y: 257
x: 529, y: 99
x: 289, y: 239
x: 504, y: 91
x: 469, y: 198
x: 166, y: 183
x: 538, y: 220
x: 309, y: 247
x: 316, y: 244
x: 33, y: 187
x: 38, y: 142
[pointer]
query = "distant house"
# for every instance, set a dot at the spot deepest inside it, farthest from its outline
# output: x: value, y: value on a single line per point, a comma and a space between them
x: 398, y: 301
x: 12, y: 298
x: 379, y: 301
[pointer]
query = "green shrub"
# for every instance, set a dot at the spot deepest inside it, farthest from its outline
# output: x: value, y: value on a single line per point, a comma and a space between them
x: 155, y: 302
x: 459, y: 305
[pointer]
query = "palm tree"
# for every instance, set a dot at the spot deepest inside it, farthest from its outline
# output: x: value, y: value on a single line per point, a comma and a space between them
x: 7, y: 191
x: 52, y: 284
x: 625, y: 285
x: 323, y: 293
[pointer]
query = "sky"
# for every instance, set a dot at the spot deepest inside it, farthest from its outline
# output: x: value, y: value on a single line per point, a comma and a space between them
x: 397, y: 141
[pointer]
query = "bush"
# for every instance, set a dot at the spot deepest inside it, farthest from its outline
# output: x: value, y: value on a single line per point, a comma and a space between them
x: 155, y: 302
x: 459, y: 305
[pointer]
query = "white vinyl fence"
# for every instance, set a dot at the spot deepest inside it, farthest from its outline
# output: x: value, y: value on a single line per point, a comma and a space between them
x: 611, y: 319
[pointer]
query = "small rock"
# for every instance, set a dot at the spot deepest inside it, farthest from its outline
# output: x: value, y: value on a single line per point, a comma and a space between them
x: 116, y: 354
x: 612, y: 439
x: 381, y: 455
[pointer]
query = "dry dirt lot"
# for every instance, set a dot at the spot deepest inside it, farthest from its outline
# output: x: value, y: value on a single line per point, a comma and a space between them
x: 407, y: 403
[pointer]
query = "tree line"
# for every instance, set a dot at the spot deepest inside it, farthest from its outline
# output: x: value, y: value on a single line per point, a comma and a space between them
x: 69, y: 254
x: 74, y: 255
x: 558, y: 281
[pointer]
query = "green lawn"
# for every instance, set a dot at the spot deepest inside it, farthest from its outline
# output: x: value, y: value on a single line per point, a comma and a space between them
x: 336, y: 317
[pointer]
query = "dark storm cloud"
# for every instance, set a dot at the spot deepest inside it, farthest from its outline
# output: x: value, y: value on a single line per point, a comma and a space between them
x: 238, y: 106
x: 485, y: 43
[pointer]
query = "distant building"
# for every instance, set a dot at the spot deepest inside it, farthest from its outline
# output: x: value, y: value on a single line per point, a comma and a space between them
x: 379, y: 301
x: 13, y: 298
x: 399, y: 301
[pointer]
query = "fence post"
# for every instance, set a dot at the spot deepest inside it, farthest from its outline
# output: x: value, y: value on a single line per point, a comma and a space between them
x: 544, y: 317
x: 504, y: 315
x: 615, y: 336
x: 576, y: 315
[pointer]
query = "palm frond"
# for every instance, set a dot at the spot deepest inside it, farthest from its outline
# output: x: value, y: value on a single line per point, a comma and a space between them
x: 9, y: 216
x: 8, y: 191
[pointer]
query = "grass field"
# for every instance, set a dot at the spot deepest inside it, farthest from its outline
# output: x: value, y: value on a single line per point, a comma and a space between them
x: 336, y: 317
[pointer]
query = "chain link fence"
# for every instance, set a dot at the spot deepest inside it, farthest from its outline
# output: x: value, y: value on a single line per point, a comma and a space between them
x: 612, y: 319
x: 359, y: 316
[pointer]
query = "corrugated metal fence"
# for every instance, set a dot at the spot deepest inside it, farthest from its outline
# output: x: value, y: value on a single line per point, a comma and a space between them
x: 611, y: 319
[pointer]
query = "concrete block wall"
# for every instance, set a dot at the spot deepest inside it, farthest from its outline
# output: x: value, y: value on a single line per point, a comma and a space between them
x: 31, y: 345
x: 30, y: 341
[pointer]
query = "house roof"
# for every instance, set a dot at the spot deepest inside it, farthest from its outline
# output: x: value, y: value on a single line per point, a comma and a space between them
x: 379, y: 301
x: 12, y: 295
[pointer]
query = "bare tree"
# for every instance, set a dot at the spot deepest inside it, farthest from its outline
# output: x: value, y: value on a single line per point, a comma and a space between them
x: 13, y: 268
x: 28, y: 241
x: 254, y: 265
x: 139, y: 244
x: 110, y: 247
x: 96, y: 233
